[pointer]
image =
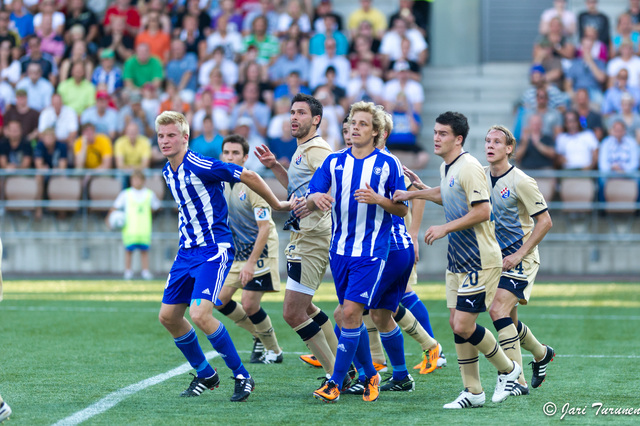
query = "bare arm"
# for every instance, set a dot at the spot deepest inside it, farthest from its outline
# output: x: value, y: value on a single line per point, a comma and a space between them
x: 258, y: 185
x: 543, y: 225
x: 479, y: 212
x: 417, y: 210
x: 319, y: 200
x: 369, y: 196
x: 429, y: 194
x: 248, y: 271
x: 268, y: 159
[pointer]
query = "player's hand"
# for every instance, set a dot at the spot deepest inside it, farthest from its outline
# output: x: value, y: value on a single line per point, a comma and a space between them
x: 324, y: 202
x: 434, y: 233
x: 299, y: 207
x: 367, y: 195
x: 246, y: 274
x: 266, y: 157
x: 511, y: 261
x: 415, y: 180
x: 400, y: 195
x: 416, y: 247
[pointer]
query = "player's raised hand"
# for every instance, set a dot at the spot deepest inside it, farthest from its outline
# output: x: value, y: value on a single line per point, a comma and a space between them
x: 266, y: 157
x: 367, y: 195
x: 413, y: 177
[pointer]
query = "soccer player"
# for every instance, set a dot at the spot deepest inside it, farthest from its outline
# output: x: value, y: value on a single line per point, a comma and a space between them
x: 474, y: 258
x: 361, y: 228
x: 517, y: 203
x: 5, y: 410
x: 255, y: 267
x: 308, y: 249
x: 205, y: 254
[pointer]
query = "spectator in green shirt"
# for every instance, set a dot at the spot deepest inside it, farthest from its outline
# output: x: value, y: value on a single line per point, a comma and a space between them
x: 268, y: 46
x: 142, y: 68
x: 77, y: 92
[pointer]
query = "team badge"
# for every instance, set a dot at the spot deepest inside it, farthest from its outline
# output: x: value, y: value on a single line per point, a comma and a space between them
x: 262, y: 214
x: 451, y: 182
x: 504, y: 192
x: 187, y: 179
x: 298, y: 160
x: 377, y: 170
x: 242, y: 195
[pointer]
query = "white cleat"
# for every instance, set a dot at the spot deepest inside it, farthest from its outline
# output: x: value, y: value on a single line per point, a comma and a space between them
x: 466, y: 399
x: 5, y: 411
x: 505, y: 383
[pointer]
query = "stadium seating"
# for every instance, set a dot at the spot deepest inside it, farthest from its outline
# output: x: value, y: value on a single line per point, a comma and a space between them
x: 547, y: 187
x: 580, y: 191
x: 23, y: 189
x: 105, y: 189
x: 623, y: 191
x: 64, y: 193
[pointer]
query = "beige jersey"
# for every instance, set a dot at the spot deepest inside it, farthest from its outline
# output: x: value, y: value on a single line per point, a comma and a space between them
x: 308, y: 157
x: 516, y: 199
x: 246, y: 208
x: 463, y: 184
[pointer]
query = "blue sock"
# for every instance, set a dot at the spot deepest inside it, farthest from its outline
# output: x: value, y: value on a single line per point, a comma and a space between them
x: 412, y: 302
x: 336, y: 330
x: 347, y: 345
x: 221, y: 342
x: 393, y: 343
x: 363, y: 353
x: 191, y: 350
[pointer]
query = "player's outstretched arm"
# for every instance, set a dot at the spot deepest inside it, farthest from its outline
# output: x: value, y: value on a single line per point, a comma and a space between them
x: 430, y: 194
x: 268, y: 159
x: 369, y: 196
x: 257, y: 184
x: 319, y: 200
x: 479, y: 212
x: 543, y: 225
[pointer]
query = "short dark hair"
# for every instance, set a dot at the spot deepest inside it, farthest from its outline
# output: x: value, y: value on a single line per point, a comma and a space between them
x: 314, y: 105
x: 457, y: 121
x: 237, y: 139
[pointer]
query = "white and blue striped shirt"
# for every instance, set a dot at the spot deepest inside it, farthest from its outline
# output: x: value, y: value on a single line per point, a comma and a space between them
x: 198, y: 188
x: 359, y: 229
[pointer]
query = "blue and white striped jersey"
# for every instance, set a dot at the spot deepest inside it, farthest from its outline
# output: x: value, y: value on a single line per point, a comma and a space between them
x: 358, y: 229
x: 400, y: 238
x: 198, y: 188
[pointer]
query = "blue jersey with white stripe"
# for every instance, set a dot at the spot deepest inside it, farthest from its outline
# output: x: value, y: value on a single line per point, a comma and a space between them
x: 400, y: 238
x: 359, y: 229
x: 198, y: 188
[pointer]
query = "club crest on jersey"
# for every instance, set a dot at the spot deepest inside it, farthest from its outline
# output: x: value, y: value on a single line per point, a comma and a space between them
x: 187, y: 179
x: 242, y: 195
x: 377, y: 170
x: 261, y: 214
x: 298, y: 160
x: 504, y: 192
x: 451, y: 182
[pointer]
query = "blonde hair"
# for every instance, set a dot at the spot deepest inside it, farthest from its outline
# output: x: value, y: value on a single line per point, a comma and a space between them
x: 377, y: 118
x: 388, y: 124
x: 510, y: 140
x: 173, y: 117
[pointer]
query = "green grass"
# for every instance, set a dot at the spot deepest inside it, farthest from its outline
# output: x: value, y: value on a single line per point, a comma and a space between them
x: 65, y: 345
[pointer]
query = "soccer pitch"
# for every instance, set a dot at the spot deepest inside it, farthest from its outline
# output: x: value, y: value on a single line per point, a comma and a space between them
x: 94, y: 352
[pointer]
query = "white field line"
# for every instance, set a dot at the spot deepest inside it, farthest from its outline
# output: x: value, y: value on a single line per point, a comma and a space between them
x: 114, y: 398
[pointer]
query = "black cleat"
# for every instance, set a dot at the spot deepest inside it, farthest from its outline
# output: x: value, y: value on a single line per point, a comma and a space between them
x: 243, y: 388
x: 257, y: 351
x: 519, y: 389
x: 540, y: 368
x: 405, y: 385
x: 200, y: 384
x: 356, y: 388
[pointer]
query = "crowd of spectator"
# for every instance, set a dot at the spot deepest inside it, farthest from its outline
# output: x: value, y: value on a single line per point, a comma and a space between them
x: 82, y: 81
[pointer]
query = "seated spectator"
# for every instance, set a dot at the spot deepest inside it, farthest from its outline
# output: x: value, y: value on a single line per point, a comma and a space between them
x: 254, y: 73
x: 365, y: 86
x: 363, y: 52
x: 224, y: 97
x: 6, y: 34
x: 279, y: 138
x: 316, y: 44
x: 123, y: 9
x: 323, y: 9
x: 243, y: 128
x: 143, y: 68
x: 132, y: 150
x: 553, y: 65
x: 201, y: 18
x: 205, y: 107
x: 559, y: 10
x: 332, y: 114
x: 194, y: 40
x: 556, y: 98
x: 367, y: 13
x: 92, y: 150
x: 38, y: 89
x: 49, y: 154
x: 76, y: 91
x: 233, y: 17
x: 257, y: 112
x: 227, y: 38
x: 599, y: 50
x: 51, y: 42
x: 592, y: 17
x: 63, y: 119
x: 268, y: 46
x: 551, y: 118
x: 301, y: 39
x: 132, y: 111
x: 118, y: 40
x: 101, y: 115
x: 628, y: 115
x: 10, y: 69
x: 627, y: 60
x: 292, y: 87
x: 619, y: 153
x: 624, y: 30
x: 536, y: 150
x: 290, y: 60
x: 293, y: 14
x: 634, y: 12
x: 406, y: 130
x: 577, y: 148
x: 173, y: 101
x: 613, y: 96
x: 107, y: 74
x: 150, y: 102
x: 47, y: 64
x: 266, y: 9
x: 15, y: 150
x: 208, y: 143
x: 182, y: 70
x: 21, y: 19
x: 7, y: 96
x: 161, y: 10
x: 589, y: 119
x: 365, y: 29
x: 414, y: 16
x: 319, y: 65
x: 391, y: 43
x: 414, y: 68
x: 27, y: 116
x: 560, y: 44
x: 159, y: 41
x: 79, y: 14
x: 586, y: 72
x: 229, y: 69
x: 78, y: 54
x: 339, y: 93
x: 47, y: 11
x: 402, y: 83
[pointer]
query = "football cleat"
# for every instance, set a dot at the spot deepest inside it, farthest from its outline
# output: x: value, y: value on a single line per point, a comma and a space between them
x: 540, y: 368
x: 311, y: 360
x: 147, y: 275
x: 382, y: 368
x: 328, y: 392
x: 442, y: 361
x: 270, y: 357
x: 5, y: 411
x: 404, y: 385
x: 371, y: 388
x: 352, y: 372
x: 519, y: 389
x: 243, y: 388
x: 356, y: 388
x: 466, y: 399
x: 505, y: 383
x: 257, y: 351
x: 200, y: 384
x: 431, y: 357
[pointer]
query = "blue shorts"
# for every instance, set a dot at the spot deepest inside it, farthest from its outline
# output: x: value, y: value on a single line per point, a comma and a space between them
x: 132, y: 247
x: 394, y: 279
x: 356, y: 278
x: 514, y: 285
x: 198, y: 273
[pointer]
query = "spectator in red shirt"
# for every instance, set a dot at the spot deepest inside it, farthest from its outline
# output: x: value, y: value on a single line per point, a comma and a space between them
x: 124, y: 9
